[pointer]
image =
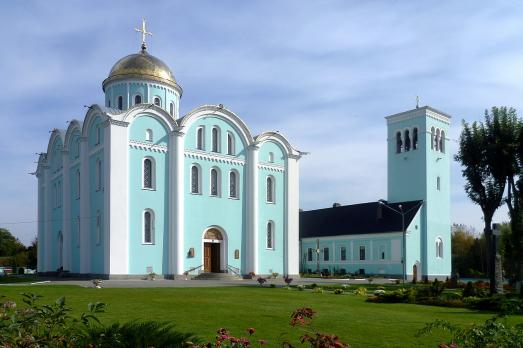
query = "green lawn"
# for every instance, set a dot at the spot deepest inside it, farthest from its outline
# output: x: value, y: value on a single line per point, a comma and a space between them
x: 204, y: 310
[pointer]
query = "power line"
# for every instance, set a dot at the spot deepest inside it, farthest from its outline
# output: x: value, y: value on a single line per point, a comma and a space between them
x: 45, y: 221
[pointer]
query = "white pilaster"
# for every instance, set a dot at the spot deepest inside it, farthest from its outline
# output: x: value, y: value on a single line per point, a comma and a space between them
x: 292, y: 200
x: 85, y: 220
x: 116, y: 198
x: 177, y: 242
x: 66, y: 212
x: 252, y: 210
x: 41, y: 217
x: 49, y: 206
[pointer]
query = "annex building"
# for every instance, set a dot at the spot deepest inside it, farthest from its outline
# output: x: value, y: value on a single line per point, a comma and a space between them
x: 407, y: 235
x: 135, y: 187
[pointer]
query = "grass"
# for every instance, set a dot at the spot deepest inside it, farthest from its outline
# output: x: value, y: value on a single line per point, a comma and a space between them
x: 203, y: 310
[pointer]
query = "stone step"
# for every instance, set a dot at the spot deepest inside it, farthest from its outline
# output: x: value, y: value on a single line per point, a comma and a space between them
x: 216, y: 276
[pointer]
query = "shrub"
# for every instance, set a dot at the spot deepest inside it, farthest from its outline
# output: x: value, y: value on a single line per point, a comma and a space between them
x: 287, y: 280
x: 318, y: 290
x: 300, y: 287
x: 275, y: 275
x: 272, y: 285
x: 338, y: 291
x: 360, y: 291
x: 261, y: 280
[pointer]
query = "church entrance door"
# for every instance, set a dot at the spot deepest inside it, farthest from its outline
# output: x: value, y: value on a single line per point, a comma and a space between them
x: 211, y: 257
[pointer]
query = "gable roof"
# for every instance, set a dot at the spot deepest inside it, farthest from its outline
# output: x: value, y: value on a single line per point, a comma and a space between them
x: 356, y: 219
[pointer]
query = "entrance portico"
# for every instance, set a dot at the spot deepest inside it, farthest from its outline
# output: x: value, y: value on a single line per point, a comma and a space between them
x: 214, y: 245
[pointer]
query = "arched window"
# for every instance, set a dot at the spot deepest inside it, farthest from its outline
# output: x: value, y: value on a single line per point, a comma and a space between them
x: 98, y: 227
x: 407, y: 140
x: 215, y: 178
x: 171, y: 108
x: 195, y: 179
x: 442, y: 142
x: 270, y: 189
x: 438, y: 183
x: 137, y: 99
x: 271, y: 157
x: 98, y: 135
x: 398, y: 142
x: 77, y: 149
x: 120, y: 103
x: 98, y: 175
x: 215, y: 139
x: 157, y: 101
x: 270, y: 235
x: 436, y: 141
x: 432, y: 137
x: 415, y: 138
x: 230, y: 144
x: 148, y: 227
x: 199, y: 138
x: 233, y: 184
x: 149, y: 135
x: 148, y: 173
x: 439, y: 248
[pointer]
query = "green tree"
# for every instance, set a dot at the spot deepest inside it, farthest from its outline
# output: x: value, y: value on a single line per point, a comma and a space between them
x: 9, y: 244
x: 32, y: 254
x: 467, y: 252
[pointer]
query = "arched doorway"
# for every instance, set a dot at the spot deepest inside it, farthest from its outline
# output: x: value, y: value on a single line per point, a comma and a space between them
x: 214, y: 251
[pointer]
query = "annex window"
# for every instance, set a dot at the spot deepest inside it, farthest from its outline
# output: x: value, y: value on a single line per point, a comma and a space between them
x: 137, y: 99
x: 149, y: 135
x: 148, y: 227
x: 233, y: 184
x: 432, y: 137
x: 157, y: 101
x: 442, y: 142
x: 98, y: 227
x: 195, y: 179
x: 78, y: 183
x: 148, y: 173
x: 309, y: 254
x: 407, y: 140
x: 171, y: 108
x: 415, y: 138
x: 325, y: 254
x: 215, y: 178
x: 199, y: 138
x: 215, y: 139
x: 270, y: 235
x: 439, y: 248
x: 398, y: 142
x: 362, y: 252
x: 230, y: 144
x: 271, y: 157
x: 120, y: 103
x: 270, y: 190
x: 343, y: 253
x: 98, y: 175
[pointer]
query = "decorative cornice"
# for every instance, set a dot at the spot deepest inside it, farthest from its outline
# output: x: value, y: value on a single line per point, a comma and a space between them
x: 424, y: 111
x: 112, y: 121
x: 135, y: 144
x: 272, y: 167
x: 214, y: 157
x: 296, y: 157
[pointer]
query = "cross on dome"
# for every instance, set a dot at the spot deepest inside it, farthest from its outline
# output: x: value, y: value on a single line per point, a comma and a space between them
x: 144, y: 33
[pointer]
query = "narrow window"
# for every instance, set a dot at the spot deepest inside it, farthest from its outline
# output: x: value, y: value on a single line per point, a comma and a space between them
x: 407, y: 140
x: 442, y: 142
x: 438, y: 183
x: 98, y: 175
x: 362, y: 252
x: 215, y: 141
x: 343, y: 254
x: 309, y: 254
x: 98, y: 227
x: 59, y: 193
x: 55, y: 196
x: 149, y: 135
x: 147, y: 173
x: 195, y: 179
x: 270, y: 235
x: 271, y: 157
x: 78, y: 148
x: 432, y: 136
x: 415, y: 139
x: 148, y: 227
x: 398, y: 142
x: 325, y: 254
x: 230, y: 144
x: 270, y: 190
x: 157, y: 101
x: 98, y: 134
x: 171, y: 108
x: 78, y: 183
x: 436, y: 141
x: 382, y: 252
x: 233, y: 182
x: 120, y: 103
x: 77, y: 231
x: 439, y: 248
x: 108, y: 103
x: 199, y: 138
x: 214, y: 182
x: 137, y: 99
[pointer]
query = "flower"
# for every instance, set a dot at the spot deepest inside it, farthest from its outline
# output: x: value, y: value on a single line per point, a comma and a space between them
x: 300, y: 314
x: 251, y: 330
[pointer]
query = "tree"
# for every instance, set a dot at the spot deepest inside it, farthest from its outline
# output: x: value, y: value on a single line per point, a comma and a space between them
x: 32, y: 254
x: 467, y: 252
x: 9, y: 245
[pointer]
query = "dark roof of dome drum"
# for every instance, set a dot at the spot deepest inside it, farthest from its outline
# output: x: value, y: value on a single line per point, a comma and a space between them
x: 142, y: 65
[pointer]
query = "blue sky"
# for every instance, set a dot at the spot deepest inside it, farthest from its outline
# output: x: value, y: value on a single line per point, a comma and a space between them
x: 324, y: 73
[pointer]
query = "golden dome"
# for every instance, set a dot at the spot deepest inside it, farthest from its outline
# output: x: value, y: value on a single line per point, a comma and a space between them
x: 142, y: 65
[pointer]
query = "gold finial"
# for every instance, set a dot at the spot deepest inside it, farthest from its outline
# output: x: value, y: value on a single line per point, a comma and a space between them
x: 417, y: 101
x: 144, y: 34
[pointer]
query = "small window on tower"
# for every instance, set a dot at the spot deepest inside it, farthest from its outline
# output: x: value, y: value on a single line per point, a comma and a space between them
x: 436, y: 141
x: 407, y: 140
x: 157, y: 101
x: 120, y: 103
x: 415, y: 139
x: 398, y: 142
x: 442, y: 142
x: 137, y: 99
x: 171, y: 109
x: 432, y: 136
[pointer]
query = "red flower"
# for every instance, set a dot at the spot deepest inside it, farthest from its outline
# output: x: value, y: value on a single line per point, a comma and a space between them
x: 300, y: 314
x: 251, y: 330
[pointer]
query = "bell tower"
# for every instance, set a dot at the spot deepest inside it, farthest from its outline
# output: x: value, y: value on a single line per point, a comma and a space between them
x: 418, y: 168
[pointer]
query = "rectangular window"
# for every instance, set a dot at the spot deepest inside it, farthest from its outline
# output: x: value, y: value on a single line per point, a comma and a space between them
x: 98, y: 175
x: 309, y: 254
x: 438, y: 183
x: 382, y: 252
x: 362, y: 252
x: 325, y: 254
x: 343, y: 254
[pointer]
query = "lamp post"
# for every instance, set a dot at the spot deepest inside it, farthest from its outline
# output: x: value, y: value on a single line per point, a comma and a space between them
x: 403, y: 234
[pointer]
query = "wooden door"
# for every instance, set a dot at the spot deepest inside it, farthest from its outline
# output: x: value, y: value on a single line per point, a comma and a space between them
x: 207, y: 257
x: 215, y: 258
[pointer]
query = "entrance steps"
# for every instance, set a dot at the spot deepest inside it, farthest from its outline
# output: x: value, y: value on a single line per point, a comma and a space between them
x: 217, y: 276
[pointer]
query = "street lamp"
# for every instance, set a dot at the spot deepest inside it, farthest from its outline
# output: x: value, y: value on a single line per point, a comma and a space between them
x: 403, y: 232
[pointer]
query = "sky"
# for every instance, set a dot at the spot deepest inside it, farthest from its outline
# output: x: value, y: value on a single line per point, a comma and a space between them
x: 323, y: 73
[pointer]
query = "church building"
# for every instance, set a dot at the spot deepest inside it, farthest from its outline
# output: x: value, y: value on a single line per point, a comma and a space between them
x: 409, y: 234
x: 135, y: 188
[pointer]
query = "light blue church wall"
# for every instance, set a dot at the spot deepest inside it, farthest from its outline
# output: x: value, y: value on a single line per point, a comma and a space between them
x: 138, y: 88
x: 113, y: 92
x: 143, y: 255
x: 56, y: 170
x: 74, y: 189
